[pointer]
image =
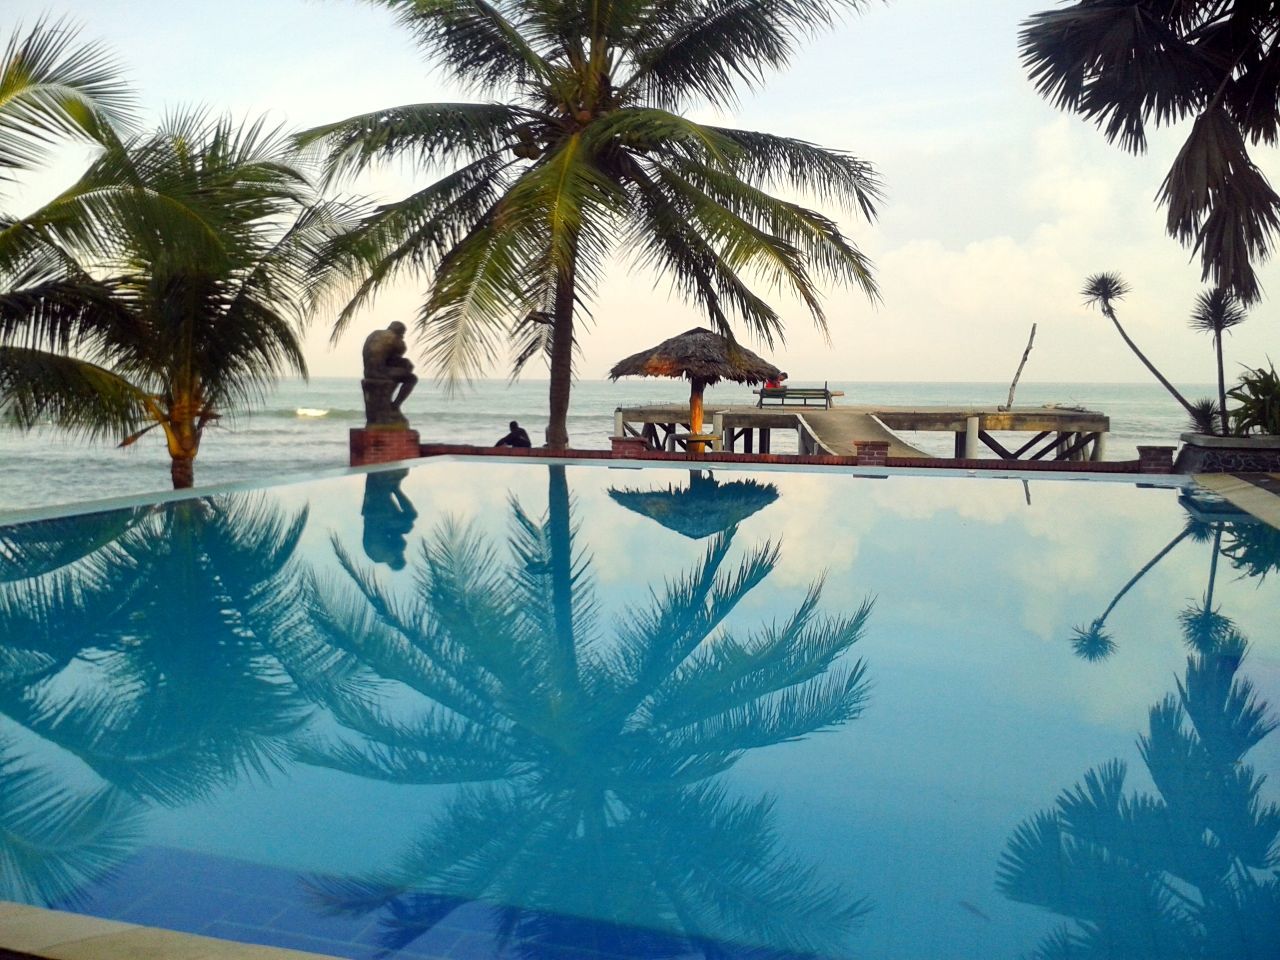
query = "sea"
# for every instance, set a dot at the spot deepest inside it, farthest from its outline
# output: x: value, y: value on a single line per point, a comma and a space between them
x: 301, y: 428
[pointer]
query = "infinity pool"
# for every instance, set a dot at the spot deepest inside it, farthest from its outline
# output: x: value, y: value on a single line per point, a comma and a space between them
x: 479, y: 710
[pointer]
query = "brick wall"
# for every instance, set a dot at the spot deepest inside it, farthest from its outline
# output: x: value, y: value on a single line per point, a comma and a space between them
x: 371, y: 445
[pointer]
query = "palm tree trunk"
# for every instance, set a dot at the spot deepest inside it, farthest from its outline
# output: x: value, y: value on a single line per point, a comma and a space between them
x: 561, y: 359
x: 1222, y: 384
x: 1111, y: 315
x: 183, y: 472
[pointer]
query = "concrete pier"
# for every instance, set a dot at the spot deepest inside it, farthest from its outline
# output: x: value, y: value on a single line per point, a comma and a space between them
x: 1058, y: 433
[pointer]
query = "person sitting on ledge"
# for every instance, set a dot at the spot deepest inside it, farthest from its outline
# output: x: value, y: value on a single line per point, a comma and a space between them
x: 516, y: 438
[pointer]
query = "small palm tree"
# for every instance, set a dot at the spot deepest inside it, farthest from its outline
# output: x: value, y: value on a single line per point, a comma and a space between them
x: 1217, y: 311
x: 164, y: 289
x: 1104, y: 289
x: 52, y: 86
x: 583, y: 151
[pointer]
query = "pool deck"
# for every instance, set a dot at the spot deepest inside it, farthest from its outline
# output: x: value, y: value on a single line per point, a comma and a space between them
x: 1255, y: 493
x: 32, y: 932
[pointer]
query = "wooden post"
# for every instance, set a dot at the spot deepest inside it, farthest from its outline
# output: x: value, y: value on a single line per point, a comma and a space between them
x: 764, y: 439
x: 971, y: 428
x: 619, y: 427
x: 1099, y: 452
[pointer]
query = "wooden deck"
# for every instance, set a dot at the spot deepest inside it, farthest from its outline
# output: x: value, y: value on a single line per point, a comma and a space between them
x: 1058, y: 433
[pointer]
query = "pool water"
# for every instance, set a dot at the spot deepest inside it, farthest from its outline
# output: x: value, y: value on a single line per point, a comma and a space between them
x: 478, y: 710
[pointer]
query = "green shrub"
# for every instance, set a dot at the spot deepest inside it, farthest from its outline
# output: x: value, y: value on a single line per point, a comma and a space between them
x: 1258, y: 394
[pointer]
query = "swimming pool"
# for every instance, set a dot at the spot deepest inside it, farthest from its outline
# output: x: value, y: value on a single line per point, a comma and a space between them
x: 472, y: 710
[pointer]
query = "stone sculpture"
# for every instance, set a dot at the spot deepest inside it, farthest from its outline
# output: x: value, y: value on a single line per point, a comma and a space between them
x: 388, y: 377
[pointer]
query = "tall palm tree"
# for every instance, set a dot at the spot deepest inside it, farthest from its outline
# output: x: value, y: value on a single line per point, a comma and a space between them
x: 582, y: 151
x: 1215, y: 312
x: 53, y: 86
x: 1127, y: 63
x: 1186, y: 871
x: 1104, y: 289
x: 592, y: 763
x: 164, y: 289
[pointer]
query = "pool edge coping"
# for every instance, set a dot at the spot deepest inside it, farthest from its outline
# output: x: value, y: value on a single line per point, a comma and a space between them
x: 43, y: 934
x: 156, y: 497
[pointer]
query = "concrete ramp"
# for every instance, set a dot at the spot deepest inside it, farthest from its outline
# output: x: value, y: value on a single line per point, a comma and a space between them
x: 840, y: 431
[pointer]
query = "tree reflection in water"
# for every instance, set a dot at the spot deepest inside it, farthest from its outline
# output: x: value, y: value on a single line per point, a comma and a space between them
x: 162, y: 654
x: 1188, y: 871
x: 1253, y: 547
x: 591, y: 757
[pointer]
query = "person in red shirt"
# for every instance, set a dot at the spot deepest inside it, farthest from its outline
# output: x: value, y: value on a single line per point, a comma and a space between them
x: 774, y: 382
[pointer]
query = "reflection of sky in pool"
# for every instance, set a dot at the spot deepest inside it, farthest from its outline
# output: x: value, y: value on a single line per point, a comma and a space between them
x: 550, y: 712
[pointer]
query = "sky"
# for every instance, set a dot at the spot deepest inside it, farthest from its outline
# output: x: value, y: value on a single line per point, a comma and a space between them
x: 997, y: 205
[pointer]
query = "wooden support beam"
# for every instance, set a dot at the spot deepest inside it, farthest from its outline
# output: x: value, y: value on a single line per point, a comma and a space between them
x: 1017, y: 454
x: 995, y: 445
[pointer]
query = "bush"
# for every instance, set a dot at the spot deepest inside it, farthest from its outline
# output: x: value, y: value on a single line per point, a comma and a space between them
x: 1258, y: 394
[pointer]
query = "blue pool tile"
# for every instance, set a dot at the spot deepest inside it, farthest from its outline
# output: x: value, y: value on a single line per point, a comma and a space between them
x: 266, y: 937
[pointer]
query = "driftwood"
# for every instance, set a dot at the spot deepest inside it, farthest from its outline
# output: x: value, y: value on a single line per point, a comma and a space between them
x: 1026, y: 353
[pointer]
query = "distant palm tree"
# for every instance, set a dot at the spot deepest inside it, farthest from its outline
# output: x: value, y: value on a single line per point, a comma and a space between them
x: 1104, y: 289
x: 582, y: 151
x: 1217, y: 311
x: 1127, y: 63
x: 164, y: 289
x: 53, y: 87
x: 593, y: 763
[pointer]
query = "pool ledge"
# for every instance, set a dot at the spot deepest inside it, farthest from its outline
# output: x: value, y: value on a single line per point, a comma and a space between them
x: 1255, y: 493
x: 32, y: 932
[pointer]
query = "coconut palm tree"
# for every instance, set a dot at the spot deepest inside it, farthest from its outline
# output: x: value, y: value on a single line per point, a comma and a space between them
x: 1104, y: 289
x: 1217, y: 311
x: 1186, y: 871
x: 165, y: 288
x: 1127, y: 63
x: 582, y: 151
x: 53, y: 86
x: 592, y: 764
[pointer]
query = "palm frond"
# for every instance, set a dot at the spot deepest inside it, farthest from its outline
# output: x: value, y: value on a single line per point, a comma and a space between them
x: 54, y: 86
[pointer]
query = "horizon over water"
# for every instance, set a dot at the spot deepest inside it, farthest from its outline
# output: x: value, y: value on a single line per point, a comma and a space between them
x: 302, y: 427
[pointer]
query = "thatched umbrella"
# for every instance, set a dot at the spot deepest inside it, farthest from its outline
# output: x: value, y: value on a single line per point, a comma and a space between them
x: 704, y: 508
x: 704, y: 358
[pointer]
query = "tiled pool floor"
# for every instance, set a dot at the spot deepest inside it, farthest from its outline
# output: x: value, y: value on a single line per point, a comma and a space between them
x: 233, y: 900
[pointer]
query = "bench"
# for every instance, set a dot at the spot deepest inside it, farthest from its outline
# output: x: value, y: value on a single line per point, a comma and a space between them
x: 798, y: 395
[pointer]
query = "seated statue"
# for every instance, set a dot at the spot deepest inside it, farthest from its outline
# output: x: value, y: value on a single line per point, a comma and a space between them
x: 388, y: 377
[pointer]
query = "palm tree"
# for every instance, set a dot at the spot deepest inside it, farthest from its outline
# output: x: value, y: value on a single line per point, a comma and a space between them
x: 586, y: 154
x: 1185, y: 872
x: 1216, y: 311
x: 52, y: 87
x: 592, y: 764
x: 164, y: 289
x: 1104, y: 289
x: 1125, y: 63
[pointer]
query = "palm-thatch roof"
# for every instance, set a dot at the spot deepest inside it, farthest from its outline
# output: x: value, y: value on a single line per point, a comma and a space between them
x: 706, y: 507
x: 698, y: 354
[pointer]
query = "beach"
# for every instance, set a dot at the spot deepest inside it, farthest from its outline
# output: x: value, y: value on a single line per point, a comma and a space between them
x: 302, y: 428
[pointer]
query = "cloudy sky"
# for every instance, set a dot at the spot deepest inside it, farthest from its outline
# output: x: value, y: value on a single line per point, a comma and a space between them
x: 997, y: 206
